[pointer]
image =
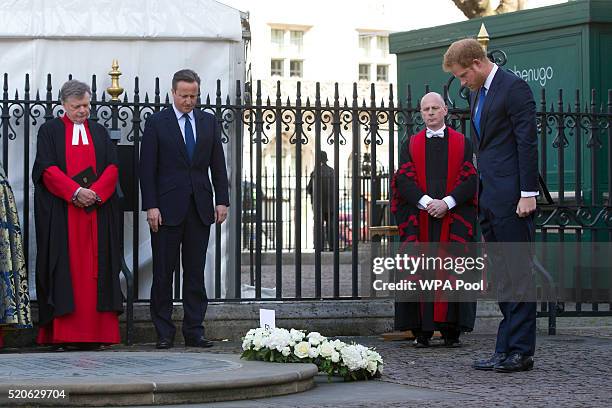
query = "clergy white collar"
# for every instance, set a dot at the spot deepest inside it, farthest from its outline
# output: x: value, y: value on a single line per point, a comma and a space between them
x: 78, y: 131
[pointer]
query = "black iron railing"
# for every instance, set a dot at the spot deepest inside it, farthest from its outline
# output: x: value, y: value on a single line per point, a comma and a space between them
x: 272, y: 212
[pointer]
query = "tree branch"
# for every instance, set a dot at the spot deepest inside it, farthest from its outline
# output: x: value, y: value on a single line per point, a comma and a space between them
x: 480, y: 8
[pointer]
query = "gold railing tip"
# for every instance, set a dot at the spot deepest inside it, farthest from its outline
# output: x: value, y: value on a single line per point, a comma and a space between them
x: 114, y: 90
x: 114, y: 68
x: 483, y: 33
x: 483, y: 36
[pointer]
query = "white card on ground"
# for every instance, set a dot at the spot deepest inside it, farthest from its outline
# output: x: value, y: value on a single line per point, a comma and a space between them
x: 267, y: 318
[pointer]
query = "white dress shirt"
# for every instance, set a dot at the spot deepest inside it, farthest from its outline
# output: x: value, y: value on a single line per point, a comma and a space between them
x: 181, y: 122
x: 425, y: 200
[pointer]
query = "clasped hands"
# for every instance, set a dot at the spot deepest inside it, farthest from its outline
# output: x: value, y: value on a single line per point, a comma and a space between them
x: 437, y: 208
x: 85, y: 197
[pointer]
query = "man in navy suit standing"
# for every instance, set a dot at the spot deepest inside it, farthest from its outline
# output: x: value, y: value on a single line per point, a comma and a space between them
x: 180, y: 145
x: 504, y: 122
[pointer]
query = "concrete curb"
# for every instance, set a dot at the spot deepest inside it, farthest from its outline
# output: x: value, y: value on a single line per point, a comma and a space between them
x: 245, y: 380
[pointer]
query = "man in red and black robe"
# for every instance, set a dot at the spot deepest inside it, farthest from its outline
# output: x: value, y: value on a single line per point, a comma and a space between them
x: 434, y: 200
x: 77, y: 227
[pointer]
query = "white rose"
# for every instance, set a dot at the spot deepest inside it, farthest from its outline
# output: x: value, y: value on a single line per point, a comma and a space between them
x: 301, y: 349
x: 278, y: 339
x: 313, y: 352
x: 326, y: 349
x: 335, y: 356
x: 352, y: 358
x: 296, y: 335
x: 246, y: 344
x: 315, y: 338
x: 372, y: 366
x: 339, y: 345
x: 265, y: 342
x: 374, y: 356
x: 286, y: 351
x: 257, y: 343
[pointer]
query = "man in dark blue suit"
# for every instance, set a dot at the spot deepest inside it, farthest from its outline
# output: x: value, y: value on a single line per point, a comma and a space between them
x: 504, y: 122
x: 179, y: 146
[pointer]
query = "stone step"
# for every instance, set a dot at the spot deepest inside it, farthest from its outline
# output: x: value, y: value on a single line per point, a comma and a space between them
x: 231, y: 320
x: 333, y: 318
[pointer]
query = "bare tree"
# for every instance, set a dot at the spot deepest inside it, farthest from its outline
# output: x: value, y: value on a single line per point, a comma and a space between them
x: 481, y: 8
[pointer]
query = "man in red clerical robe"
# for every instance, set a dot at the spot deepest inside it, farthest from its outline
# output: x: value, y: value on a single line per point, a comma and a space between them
x: 77, y: 227
x: 434, y: 200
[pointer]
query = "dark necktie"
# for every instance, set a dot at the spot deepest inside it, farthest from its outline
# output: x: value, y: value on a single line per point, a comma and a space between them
x: 481, y: 100
x: 189, y: 139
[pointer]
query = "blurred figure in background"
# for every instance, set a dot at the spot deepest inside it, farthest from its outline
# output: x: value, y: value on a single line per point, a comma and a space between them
x: 327, y: 198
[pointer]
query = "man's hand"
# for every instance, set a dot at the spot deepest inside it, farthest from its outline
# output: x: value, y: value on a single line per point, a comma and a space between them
x: 526, y: 206
x: 85, y: 198
x: 154, y: 219
x: 220, y: 213
x: 437, y: 208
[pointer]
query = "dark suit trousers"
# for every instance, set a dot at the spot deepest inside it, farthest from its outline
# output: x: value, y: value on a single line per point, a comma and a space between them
x: 193, y: 235
x: 517, y: 330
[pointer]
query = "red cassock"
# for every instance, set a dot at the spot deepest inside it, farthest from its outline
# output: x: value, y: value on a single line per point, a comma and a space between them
x: 86, y: 324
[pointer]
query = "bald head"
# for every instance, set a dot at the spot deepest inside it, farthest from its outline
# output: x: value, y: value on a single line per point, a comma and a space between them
x: 433, y: 97
x: 433, y: 110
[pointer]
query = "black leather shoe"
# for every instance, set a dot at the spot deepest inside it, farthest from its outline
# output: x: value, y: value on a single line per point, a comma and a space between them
x: 489, y: 363
x: 201, y: 342
x: 163, y: 344
x: 452, y: 343
x: 515, y: 362
x: 421, y: 342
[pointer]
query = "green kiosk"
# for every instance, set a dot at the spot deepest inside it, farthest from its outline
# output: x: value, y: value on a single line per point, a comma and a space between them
x: 566, y: 51
x: 567, y: 47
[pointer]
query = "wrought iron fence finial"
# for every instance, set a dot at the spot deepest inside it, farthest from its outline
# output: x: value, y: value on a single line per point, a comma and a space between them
x: 114, y: 90
x: 483, y: 37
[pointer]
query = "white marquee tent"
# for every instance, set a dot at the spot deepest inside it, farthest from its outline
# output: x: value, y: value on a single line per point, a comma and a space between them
x: 150, y: 39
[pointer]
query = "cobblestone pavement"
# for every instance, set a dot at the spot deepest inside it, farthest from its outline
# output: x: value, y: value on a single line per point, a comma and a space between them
x: 572, y: 369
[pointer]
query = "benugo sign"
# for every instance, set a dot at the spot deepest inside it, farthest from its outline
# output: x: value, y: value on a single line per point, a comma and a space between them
x: 539, y: 75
